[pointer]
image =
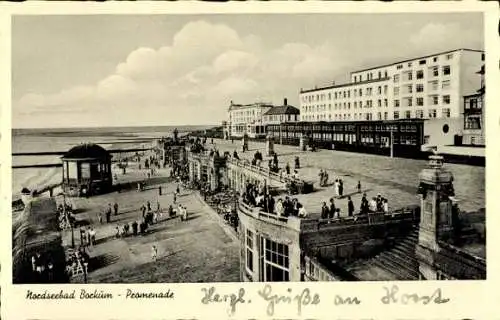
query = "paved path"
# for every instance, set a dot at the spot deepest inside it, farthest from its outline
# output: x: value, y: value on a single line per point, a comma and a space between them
x: 197, y: 250
x: 395, y: 179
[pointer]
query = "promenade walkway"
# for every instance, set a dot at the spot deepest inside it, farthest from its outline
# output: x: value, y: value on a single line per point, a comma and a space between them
x: 395, y: 179
x: 197, y: 250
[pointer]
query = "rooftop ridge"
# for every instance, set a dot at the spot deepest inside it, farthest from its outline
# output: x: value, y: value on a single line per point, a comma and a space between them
x: 421, y: 57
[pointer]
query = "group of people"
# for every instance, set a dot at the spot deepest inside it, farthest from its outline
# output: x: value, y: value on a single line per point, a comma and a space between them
x: 331, y: 211
x: 107, y: 213
x: 42, y: 268
x: 376, y: 204
x: 290, y: 207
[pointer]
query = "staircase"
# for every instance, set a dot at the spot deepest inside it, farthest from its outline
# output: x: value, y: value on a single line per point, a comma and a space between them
x: 400, y: 260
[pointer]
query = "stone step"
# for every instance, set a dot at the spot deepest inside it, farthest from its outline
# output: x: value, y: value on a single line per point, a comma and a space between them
x: 405, y: 253
x: 404, y: 262
x: 400, y: 274
x: 394, y: 268
x: 406, y: 247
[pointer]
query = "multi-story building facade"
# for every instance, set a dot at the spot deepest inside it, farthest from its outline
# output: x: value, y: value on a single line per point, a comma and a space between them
x: 247, y: 118
x: 474, y: 111
x: 279, y: 114
x: 430, y: 87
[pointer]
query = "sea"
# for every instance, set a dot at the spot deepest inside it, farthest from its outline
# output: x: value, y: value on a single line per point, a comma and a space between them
x: 61, y: 140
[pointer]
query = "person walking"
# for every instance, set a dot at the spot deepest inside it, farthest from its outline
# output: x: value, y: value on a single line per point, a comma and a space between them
x: 341, y: 188
x: 359, y: 186
x: 115, y: 207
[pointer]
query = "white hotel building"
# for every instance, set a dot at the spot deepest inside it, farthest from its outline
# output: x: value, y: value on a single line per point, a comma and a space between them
x: 430, y: 87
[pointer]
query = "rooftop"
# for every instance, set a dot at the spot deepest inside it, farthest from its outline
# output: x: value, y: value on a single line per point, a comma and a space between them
x: 282, y: 110
x: 87, y: 151
x: 416, y: 58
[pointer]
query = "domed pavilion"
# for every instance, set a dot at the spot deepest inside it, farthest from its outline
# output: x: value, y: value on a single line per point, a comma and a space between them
x: 87, y: 170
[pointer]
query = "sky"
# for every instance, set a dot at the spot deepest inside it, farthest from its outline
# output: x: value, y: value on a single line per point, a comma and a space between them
x: 140, y: 70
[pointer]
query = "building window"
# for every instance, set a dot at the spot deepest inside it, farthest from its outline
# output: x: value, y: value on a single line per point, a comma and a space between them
x: 408, y: 76
x: 433, y: 85
x: 420, y: 87
x: 420, y: 74
x: 446, y: 99
x: 386, y: 103
x: 385, y: 89
x: 355, y: 104
x: 446, y: 84
x: 379, y: 103
x: 396, y: 78
x: 435, y: 71
x: 396, y: 91
x: 396, y: 103
x: 396, y: 115
x: 275, y: 261
x: 249, y: 251
x: 419, y: 114
x: 449, y: 56
x: 435, y: 100
x: 446, y: 113
x: 482, y: 56
x: 386, y: 114
x: 432, y: 113
x: 379, y: 89
x: 379, y: 115
x: 409, y: 102
x: 435, y: 59
x: 399, y: 66
x: 409, y: 88
x: 421, y: 62
x: 420, y: 101
x: 446, y: 70
x: 385, y: 72
x: 360, y: 92
x: 379, y: 74
x: 407, y: 114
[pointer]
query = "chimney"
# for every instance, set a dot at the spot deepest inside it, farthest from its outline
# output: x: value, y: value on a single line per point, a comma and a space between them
x: 285, y: 102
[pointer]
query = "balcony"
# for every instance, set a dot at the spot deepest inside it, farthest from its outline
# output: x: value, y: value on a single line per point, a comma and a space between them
x: 312, y: 225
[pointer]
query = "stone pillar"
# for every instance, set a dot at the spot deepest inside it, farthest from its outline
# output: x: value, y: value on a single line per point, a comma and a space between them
x: 269, y: 146
x: 436, y: 188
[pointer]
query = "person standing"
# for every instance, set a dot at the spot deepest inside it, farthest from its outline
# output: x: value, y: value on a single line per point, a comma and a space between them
x: 302, y: 211
x: 134, y: 228
x: 341, y: 188
x: 108, y: 215
x: 324, y: 211
x: 287, y: 168
x: 331, y: 213
x: 359, y: 186
x: 350, y: 207
x: 115, y: 207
